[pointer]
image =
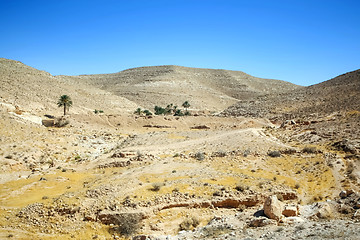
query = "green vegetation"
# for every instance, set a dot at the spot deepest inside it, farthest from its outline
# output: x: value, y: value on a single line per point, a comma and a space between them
x: 145, y: 112
x: 96, y: 111
x: 65, y: 101
x: 186, y: 105
x: 138, y: 111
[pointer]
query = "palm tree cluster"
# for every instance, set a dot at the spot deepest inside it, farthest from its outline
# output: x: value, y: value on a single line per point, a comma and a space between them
x: 172, y: 109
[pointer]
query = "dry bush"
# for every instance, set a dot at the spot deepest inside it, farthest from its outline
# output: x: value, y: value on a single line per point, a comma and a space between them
x: 61, y: 122
x: 241, y: 188
x: 219, y: 153
x: 128, y: 224
x: 189, y: 223
x: 289, y: 151
x: 274, y: 154
x: 350, y: 168
x: 200, y: 156
x: 155, y: 187
x: 311, y: 150
x: 246, y: 152
x: 217, y: 194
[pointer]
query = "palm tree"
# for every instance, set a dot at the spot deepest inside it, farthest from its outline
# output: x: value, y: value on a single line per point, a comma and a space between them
x: 138, y: 111
x: 64, y: 101
x: 186, y: 105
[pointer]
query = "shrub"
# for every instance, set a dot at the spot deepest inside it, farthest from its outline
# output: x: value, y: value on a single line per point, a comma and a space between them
x: 241, y: 188
x: 350, y: 168
x: 309, y: 150
x: 219, y: 153
x: 217, y: 194
x: 156, y: 187
x: 128, y: 224
x: 188, y: 223
x: 274, y: 154
x: 200, y: 156
x: 246, y: 153
x: 61, y: 122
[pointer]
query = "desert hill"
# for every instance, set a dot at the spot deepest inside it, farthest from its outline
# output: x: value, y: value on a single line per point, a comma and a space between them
x: 38, y: 91
x: 205, y: 89
x: 120, y: 175
x: 341, y: 93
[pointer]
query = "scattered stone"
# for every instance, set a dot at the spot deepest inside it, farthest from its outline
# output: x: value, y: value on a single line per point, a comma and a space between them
x: 261, y: 222
x: 115, y: 164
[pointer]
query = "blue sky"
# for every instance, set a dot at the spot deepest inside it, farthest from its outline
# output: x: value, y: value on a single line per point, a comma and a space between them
x: 302, y: 41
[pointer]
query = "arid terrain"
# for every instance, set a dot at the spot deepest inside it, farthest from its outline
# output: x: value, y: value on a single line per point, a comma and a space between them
x: 254, y: 158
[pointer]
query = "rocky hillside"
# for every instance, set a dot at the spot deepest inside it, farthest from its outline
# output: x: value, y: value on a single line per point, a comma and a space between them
x: 38, y: 91
x: 339, y: 94
x: 205, y: 89
x: 119, y: 175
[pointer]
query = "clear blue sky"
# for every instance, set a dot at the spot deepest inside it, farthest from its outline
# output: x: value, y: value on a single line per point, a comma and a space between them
x: 302, y: 41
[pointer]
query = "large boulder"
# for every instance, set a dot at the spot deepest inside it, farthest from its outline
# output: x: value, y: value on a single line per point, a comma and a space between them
x: 273, y: 208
